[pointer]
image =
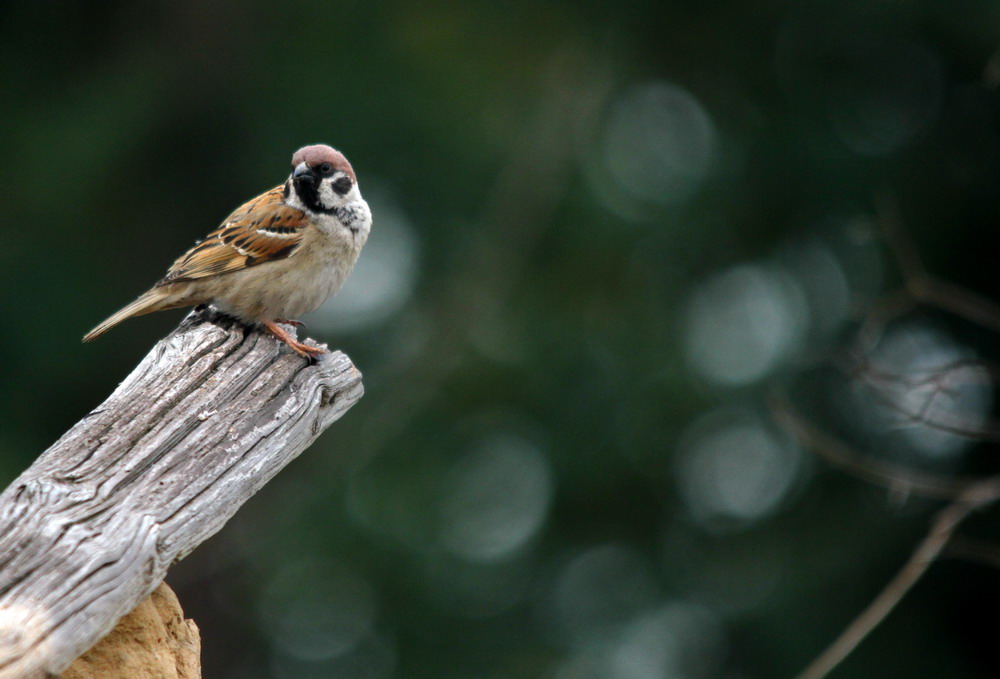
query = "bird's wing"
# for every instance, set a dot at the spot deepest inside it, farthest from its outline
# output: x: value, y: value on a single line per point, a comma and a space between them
x: 261, y: 230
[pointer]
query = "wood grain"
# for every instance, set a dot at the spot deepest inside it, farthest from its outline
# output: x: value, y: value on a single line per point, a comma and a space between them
x: 210, y: 415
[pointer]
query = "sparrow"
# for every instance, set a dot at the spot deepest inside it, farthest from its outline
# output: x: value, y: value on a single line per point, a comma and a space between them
x: 276, y: 257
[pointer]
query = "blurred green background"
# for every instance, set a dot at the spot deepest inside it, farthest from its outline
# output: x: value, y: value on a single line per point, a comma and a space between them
x: 602, y: 232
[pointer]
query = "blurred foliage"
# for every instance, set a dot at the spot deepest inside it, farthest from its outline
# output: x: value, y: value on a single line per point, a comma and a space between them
x: 601, y: 230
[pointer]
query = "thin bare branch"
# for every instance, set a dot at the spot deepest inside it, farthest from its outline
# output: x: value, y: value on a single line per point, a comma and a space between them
x: 883, y: 311
x: 922, y: 286
x: 973, y: 498
x: 842, y: 456
x: 911, y: 266
x: 976, y: 551
x: 965, y: 495
x: 963, y: 303
x: 892, y: 390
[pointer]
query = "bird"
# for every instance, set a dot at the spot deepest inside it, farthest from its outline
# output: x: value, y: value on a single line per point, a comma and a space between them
x: 277, y: 256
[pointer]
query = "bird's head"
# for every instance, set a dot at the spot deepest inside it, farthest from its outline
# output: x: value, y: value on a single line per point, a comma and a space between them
x: 322, y: 180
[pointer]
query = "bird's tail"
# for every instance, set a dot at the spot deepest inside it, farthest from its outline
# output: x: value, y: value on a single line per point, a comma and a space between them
x: 154, y: 300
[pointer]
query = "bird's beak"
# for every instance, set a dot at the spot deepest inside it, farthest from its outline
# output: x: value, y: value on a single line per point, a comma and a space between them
x: 303, y: 172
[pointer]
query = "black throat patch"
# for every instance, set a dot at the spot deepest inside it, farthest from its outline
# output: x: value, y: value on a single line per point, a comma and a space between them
x: 307, y: 189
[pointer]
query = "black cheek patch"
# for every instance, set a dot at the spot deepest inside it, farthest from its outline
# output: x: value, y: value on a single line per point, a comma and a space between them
x: 342, y: 185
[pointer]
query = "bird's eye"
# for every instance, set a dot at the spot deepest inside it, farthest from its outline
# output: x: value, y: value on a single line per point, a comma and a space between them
x: 342, y: 185
x: 326, y: 169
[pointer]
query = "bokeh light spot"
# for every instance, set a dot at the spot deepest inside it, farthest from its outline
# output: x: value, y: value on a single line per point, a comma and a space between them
x: 734, y: 470
x: 742, y: 323
x: 495, y: 499
x: 659, y: 142
x: 927, y: 388
x: 890, y: 93
x: 599, y: 591
x: 315, y: 610
x: 681, y: 641
x: 678, y: 640
x: 374, y: 657
x: 821, y: 277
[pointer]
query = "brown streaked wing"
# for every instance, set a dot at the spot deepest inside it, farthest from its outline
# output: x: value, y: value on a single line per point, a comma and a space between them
x: 261, y: 230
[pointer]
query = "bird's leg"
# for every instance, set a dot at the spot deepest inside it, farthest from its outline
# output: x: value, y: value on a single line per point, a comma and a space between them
x: 303, y: 350
x: 290, y: 321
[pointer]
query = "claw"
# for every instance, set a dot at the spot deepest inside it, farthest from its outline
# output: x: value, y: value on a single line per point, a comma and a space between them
x: 303, y: 350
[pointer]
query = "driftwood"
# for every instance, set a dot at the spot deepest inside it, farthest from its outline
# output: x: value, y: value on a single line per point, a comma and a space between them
x: 211, y: 414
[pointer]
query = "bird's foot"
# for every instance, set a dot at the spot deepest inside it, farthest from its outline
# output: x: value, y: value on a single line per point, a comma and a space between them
x: 303, y: 350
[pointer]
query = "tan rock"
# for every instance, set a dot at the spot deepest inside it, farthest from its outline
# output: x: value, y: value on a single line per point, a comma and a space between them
x: 154, y: 641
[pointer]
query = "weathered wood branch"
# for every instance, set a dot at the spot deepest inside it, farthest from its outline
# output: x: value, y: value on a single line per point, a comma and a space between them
x: 211, y: 414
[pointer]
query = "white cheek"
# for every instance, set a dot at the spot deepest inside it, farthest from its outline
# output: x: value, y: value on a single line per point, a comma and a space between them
x: 327, y: 196
x: 292, y: 199
x: 330, y: 198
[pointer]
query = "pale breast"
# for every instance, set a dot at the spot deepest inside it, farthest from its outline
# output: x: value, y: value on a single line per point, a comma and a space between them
x: 288, y: 288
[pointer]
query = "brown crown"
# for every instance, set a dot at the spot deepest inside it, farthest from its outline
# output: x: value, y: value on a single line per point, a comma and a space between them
x: 317, y: 154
